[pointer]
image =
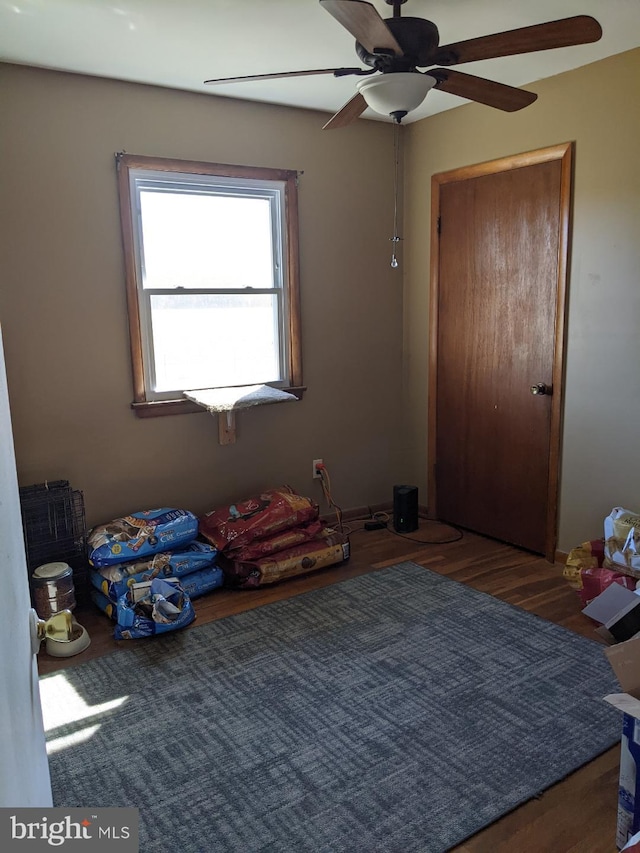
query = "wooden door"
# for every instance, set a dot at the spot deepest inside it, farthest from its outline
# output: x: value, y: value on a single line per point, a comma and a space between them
x: 499, y: 249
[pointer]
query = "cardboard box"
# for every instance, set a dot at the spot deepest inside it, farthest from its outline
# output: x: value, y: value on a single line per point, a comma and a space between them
x: 618, y: 611
x: 625, y: 662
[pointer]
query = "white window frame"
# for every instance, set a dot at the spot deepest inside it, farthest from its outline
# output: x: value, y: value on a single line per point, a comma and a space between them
x: 137, y: 173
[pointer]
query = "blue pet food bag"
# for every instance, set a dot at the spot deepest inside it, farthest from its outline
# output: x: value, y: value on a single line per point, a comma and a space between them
x: 199, y: 583
x: 106, y: 593
x: 165, y: 607
x: 139, y: 535
x: 115, y: 580
x: 105, y: 604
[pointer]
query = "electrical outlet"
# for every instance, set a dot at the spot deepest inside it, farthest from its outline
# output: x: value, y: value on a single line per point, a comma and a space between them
x: 316, y: 472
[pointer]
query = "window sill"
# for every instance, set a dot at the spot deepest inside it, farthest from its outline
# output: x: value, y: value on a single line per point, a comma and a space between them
x: 182, y: 406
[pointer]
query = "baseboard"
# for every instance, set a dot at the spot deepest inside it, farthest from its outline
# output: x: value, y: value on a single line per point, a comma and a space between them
x: 357, y: 513
x: 363, y: 512
x: 360, y: 513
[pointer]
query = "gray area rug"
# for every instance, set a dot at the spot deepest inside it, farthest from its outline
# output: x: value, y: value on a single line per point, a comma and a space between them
x: 398, y: 711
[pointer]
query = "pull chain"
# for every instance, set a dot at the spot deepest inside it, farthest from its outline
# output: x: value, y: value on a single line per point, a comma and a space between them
x: 395, y: 239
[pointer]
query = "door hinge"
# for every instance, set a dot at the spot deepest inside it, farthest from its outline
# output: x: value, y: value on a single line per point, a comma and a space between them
x: 439, y: 226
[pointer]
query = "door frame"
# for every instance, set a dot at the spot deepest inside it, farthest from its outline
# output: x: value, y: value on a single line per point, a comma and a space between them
x: 564, y: 153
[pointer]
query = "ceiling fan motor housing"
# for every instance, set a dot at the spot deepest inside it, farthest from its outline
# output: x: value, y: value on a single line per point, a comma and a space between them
x: 418, y: 38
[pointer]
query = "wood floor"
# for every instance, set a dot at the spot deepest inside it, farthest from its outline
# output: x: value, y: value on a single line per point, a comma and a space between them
x: 577, y: 815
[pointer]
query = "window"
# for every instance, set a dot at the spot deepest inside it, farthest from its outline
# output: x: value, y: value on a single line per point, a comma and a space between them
x: 212, y: 278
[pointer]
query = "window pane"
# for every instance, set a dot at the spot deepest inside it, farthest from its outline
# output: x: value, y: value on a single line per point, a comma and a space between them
x: 210, y: 341
x: 206, y: 241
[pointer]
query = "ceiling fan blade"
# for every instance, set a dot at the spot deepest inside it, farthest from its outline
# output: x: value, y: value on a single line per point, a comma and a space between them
x: 580, y: 29
x: 364, y: 23
x: 337, y: 72
x: 488, y: 92
x: 349, y: 112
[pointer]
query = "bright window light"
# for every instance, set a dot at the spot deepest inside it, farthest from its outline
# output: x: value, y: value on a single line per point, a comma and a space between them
x: 212, y: 276
x: 63, y: 708
x: 199, y: 241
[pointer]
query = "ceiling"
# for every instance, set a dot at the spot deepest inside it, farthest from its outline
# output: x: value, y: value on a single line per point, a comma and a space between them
x: 180, y: 43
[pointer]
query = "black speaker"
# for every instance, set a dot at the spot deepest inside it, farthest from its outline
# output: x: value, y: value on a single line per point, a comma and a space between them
x: 405, y: 508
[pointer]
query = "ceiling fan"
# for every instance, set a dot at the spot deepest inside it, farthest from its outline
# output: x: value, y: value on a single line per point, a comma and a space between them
x: 396, y: 48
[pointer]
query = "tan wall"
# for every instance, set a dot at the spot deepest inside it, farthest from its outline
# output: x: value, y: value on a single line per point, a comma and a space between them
x: 597, y: 106
x: 63, y: 311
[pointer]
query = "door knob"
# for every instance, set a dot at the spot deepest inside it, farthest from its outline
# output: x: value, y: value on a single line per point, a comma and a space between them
x: 540, y: 388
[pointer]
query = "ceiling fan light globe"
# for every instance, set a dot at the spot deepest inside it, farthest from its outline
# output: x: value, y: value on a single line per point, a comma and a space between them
x: 395, y: 91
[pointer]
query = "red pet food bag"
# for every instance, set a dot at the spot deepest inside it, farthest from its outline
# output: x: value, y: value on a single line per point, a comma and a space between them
x: 278, y: 542
x: 329, y: 548
x: 259, y: 517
